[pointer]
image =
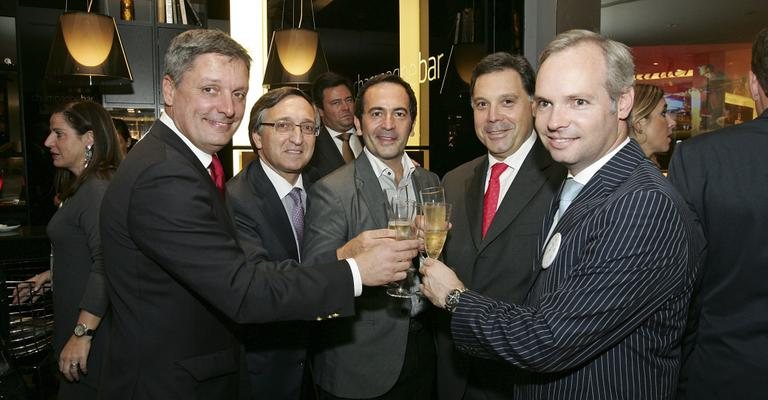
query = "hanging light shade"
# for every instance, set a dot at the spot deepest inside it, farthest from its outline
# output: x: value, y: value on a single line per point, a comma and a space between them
x: 295, y: 55
x: 467, y: 56
x: 297, y: 49
x: 277, y: 73
x: 88, y: 46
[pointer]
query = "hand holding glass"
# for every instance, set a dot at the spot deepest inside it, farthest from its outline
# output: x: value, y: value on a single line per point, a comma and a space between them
x: 401, y: 213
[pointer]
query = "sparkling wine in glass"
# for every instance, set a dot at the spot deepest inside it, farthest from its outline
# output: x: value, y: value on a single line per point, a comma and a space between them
x: 435, y: 226
x: 431, y: 195
x: 401, y: 213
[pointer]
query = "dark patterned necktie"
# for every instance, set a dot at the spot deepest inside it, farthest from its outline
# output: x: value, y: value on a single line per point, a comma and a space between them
x: 297, y: 213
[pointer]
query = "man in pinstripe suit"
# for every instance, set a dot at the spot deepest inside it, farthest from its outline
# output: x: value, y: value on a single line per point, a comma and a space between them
x: 604, y: 317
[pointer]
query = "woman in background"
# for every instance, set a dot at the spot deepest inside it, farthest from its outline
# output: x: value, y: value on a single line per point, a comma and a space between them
x: 124, y: 138
x: 651, y: 123
x: 84, y: 147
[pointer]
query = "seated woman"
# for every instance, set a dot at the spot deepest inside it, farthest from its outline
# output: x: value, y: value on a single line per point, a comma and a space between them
x: 651, y: 124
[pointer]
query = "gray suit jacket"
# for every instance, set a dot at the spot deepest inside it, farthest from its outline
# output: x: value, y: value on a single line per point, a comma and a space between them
x: 500, y: 265
x: 361, y: 356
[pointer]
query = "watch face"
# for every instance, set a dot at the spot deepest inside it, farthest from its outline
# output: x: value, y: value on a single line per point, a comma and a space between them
x: 452, y: 299
x: 79, y: 330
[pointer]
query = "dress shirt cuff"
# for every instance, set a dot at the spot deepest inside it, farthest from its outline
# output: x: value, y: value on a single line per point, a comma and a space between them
x: 356, y: 279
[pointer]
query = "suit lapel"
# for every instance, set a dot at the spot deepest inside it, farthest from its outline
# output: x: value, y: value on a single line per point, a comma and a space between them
x: 165, y: 134
x: 527, y: 183
x: 474, y: 204
x: 327, y: 148
x: 607, y: 179
x: 369, y: 189
x: 267, y: 200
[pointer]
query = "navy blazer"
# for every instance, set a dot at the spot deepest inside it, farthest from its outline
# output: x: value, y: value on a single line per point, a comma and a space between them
x: 178, y: 279
x: 722, y: 175
x: 604, y: 320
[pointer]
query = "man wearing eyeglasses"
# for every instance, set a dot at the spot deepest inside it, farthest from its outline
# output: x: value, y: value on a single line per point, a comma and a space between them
x: 268, y: 200
x: 179, y: 279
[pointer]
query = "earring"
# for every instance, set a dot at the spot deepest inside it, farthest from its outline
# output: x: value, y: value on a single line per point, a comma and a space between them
x: 88, y: 155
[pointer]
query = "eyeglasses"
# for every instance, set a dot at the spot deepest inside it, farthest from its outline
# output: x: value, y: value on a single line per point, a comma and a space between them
x: 285, y: 127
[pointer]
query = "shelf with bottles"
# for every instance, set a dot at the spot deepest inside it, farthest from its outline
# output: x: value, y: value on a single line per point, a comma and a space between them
x: 180, y: 12
x: 158, y: 12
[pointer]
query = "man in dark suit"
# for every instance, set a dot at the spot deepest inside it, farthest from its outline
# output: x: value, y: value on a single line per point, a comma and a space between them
x: 496, y: 216
x: 337, y: 143
x: 177, y: 276
x: 722, y: 177
x: 386, y: 351
x: 268, y: 202
x: 619, y: 254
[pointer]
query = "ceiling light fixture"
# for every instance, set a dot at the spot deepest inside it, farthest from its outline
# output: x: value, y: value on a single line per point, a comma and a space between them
x: 87, y: 45
x: 295, y: 56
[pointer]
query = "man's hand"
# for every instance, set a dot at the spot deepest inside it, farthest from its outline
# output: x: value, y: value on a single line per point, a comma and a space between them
x: 365, y: 241
x: 386, y: 262
x: 437, y: 280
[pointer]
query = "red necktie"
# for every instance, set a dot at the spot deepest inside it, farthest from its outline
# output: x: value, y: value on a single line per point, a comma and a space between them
x: 217, y: 173
x: 492, y: 195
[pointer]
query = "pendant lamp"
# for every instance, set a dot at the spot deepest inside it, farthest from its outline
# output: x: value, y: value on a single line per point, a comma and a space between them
x: 295, y: 56
x: 468, y: 50
x: 87, y: 49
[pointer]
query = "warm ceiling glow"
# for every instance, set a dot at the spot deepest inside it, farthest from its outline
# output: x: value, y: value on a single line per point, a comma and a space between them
x: 88, y: 37
x: 296, y: 49
x: 467, y: 56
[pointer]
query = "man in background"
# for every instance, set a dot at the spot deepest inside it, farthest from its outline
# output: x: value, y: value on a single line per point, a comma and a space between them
x: 386, y: 351
x: 178, y: 278
x: 722, y: 176
x: 499, y: 201
x: 337, y: 143
x: 268, y: 200
x: 619, y: 255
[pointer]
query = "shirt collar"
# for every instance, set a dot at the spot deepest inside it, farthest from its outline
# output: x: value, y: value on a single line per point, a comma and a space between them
x: 587, y: 173
x: 204, y: 157
x: 515, y: 160
x: 282, y: 186
x: 335, y: 133
x: 381, y: 169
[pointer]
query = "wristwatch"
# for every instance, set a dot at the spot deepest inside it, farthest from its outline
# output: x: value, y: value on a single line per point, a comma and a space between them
x: 81, y: 330
x: 452, y: 299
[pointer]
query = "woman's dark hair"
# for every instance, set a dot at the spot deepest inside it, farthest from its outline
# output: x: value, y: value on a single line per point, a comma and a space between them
x: 84, y: 116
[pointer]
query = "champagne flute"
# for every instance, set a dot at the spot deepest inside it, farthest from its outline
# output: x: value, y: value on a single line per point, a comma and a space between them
x: 401, y: 213
x: 436, y: 219
x: 434, y: 194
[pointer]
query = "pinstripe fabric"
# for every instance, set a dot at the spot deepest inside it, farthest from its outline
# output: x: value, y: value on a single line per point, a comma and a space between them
x: 604, y: 320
